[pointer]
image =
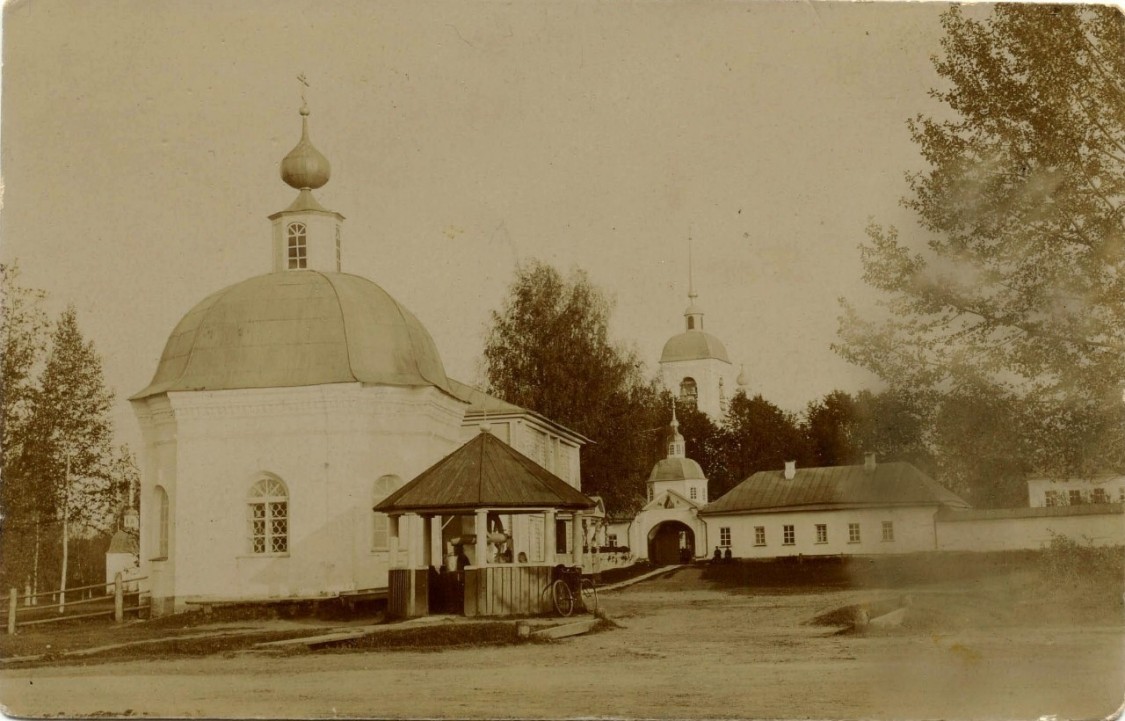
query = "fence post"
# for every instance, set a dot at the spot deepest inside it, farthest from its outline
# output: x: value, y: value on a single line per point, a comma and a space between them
x: 118, y: 599
x: 13, y: 606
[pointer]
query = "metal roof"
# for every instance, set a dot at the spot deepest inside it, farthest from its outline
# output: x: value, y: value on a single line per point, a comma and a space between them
x: 484, y: 473
x: 297, y: 328
x: 693, y: 345
x: 676, y: 469
x: 887, y: 484
x: 123, y: 542
x: 484, y: 405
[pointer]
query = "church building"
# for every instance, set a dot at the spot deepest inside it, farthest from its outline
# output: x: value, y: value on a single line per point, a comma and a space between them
x: 695, y: 367
x: 286, y: 406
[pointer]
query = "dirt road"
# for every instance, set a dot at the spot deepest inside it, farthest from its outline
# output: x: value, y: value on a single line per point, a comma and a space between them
x: 683, y: 652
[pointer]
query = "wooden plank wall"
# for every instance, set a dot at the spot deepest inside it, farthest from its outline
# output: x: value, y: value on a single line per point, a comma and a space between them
x: 408, y: 593
x: 507, y: 591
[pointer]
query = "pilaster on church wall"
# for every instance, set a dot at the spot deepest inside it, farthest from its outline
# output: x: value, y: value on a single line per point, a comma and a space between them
x: 158, y: 467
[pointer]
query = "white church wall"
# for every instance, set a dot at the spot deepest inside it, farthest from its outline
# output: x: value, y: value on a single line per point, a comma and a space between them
x: 327, y: 444
x: 912, y: 529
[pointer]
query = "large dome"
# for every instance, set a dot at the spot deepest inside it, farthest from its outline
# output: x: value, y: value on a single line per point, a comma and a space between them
x: 297, y: 328
x: 693, y: 345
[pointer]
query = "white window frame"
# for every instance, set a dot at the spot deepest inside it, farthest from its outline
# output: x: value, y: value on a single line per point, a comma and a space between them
x: 1051, y: 498
x: 693, y: 493
x: 297, y: 246
x: 822, y: 533
x: 724, y: 536
x: 888, y: 531
x: 788, y: 535
x: 1074, y: 497
x: 854, y: 534
x: 267, y: 516
x: 759, y: 535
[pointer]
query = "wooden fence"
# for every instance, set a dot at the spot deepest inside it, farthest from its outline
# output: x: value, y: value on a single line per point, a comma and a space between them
x: 103, y: 604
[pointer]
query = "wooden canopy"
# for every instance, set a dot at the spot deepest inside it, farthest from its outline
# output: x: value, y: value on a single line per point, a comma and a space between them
x: 484, y: 473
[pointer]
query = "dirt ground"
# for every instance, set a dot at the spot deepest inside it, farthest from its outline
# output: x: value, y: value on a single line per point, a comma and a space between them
x: 686, y: 648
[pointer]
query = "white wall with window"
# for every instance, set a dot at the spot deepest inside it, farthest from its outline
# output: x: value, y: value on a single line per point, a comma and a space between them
x: 1048, y: 492
x: 810, y: 533
x: 274, y: 486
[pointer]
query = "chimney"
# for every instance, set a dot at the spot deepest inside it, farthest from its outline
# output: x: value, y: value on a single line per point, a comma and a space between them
x: 790, y: 470
x: 869, y: 461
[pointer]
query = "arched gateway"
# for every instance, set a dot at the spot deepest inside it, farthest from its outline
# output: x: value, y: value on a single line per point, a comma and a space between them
x: 671, y: 542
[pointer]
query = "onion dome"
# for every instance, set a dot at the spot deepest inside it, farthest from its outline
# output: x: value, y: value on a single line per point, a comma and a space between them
x: 297, y: 328
x: 305, y: 167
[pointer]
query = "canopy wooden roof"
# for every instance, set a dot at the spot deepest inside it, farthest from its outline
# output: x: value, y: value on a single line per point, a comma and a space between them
x: 484, y: 473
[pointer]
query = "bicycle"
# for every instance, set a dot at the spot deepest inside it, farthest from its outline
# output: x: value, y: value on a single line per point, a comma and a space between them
x: 570, y: 588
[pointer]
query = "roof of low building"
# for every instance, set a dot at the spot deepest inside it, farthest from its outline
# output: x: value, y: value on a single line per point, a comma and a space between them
x: 483, y: 405
x: 693, y: 345
x: 834, y: 487
x: 297, y: 328
x: 484, y: 473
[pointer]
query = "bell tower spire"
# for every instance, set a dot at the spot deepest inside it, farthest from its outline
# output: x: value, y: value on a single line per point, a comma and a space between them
x: 306, y: 235
x: 693, y: 316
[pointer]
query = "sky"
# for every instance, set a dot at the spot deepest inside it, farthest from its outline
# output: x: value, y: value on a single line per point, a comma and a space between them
x: 140, y: 144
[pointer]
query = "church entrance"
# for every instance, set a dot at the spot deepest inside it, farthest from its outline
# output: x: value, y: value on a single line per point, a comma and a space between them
x: 671, y: 542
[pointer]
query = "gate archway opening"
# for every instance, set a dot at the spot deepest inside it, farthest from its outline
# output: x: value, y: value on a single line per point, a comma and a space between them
x: 671, y: 542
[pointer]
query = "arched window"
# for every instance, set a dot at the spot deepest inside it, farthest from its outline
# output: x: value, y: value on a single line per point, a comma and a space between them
x: 268, y: 516
x: 380, y: 523
x: 296, y: 234
x: 689, y: 391
x: 162, y: 523
x: 690, y: 323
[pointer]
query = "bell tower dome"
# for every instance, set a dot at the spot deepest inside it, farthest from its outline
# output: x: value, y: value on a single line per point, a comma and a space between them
x: 306, y: 235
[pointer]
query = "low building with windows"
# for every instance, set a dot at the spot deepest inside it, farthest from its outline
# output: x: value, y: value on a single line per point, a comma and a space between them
x: 1100, y: 490
x: 875, y: 508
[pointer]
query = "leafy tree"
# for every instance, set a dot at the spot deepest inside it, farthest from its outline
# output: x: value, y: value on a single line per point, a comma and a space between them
x: 23, y: 341
x: 830, y: 429
x: 757, y: 436
x: 69, y: 434
x: 982, y: 455
x: 1021, y: 285
x: 841, y: 428
x: 549, y: 350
